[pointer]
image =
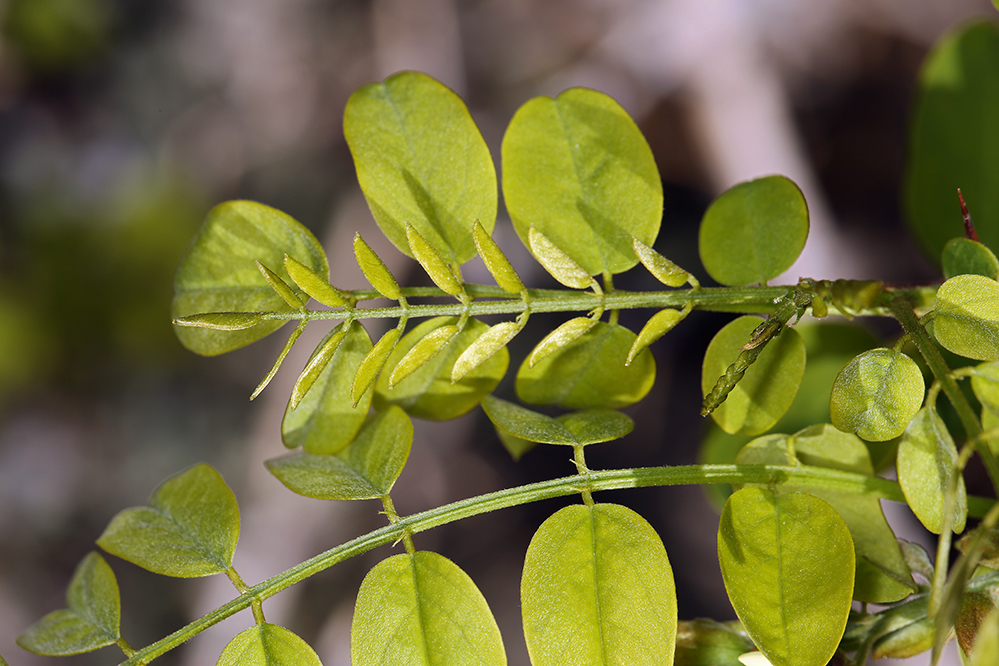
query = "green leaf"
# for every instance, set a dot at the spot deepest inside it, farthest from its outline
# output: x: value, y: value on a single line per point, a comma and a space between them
x: 578, y: 169
x: 189, y: 529
x: 428, y: 393
x: 589, y: 372
x: 268, y: 645
x: 432, y: 262
x: 515, y: 446
x: 422, y: 610
x: 366, y: 469
x: 90, y: 620
x: 767, y: 389
x: 661, y: 268
x: 318, y: 362
x: 314, y: 284
x: 222, y: 321
x: 496, y: 262
x: 374, y: 270
x: 974, y: 609
x: 754, y: 231
x: 559, y: 265
x: 882, y: 575
x: 327, y: 419
x: 593, y: 426
x: 219, y: 273
x: 926, y: 458
x: 280, y: 287
x: 422, y: 352
x: 372, y: 364
x: 963, y: 256
x: 788, y: 566
x: 598, y: 589
x: 526, y: 424
x: 877, y: 394
x: 421, y: 159
x: 656, y: 327
x: 563, y: 335
x: 966, y: 317
x: 985, y: 384
x: 484, y: 347
x: 952, y: 143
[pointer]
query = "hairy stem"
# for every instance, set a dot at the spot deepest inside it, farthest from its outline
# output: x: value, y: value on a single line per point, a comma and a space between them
x: 802, y: 476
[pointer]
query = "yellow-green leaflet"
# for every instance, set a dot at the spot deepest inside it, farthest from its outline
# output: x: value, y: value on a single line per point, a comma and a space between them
x: 422, y: 352
x: 926, y: 456
x: 374, y: 270
x: 496, y: 262
x: 662, y: 268
x: 484, y: 346
x: 788, y: 565
x: 598, y: 590
x: 222, y: 321
x: 90, y: 619
x: 877, y: 394
x: 656, y: 327
x: 372, y: 364
x: 558, y: 264
x: 422, y: 610
x: 313, y: 284
x: 281, y: 287
x: 560, y: 337
x: 966, y: 317
x: 268, y: 645
x: 320, y: 359
x: 432, y: 263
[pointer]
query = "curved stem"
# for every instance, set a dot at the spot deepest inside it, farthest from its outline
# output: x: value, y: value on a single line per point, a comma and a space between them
x: 801, y: 476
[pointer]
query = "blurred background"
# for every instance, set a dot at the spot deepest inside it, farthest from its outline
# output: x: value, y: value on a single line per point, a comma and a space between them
x: 123, y: 121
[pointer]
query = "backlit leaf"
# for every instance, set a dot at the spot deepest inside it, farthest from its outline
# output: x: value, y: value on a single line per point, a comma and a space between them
x: 592, y: 426
x: 484, y: 347
x: 951, y: 140
x: 422, y: 610
x: 966, y: 317
x: 515, y: 446
x: 189, y: 529
x: 578, y: 169
x: 926, y: 458
x: 986, y: 649
x: 326, y: 419
x: 877, y: 394
x: 372, y: 364
x: 219, y: 273
x: 656, y: 327
x: 366, y: 469
x: 788, y: 565
x: 421, y: 352
x: 420, y: 159
x: 315, y: 285
x: 320, y: 360
x: 90, y: 619
x: 704, y: 642
x: 560, y: 265
x: 428, y: 392
x: 598, y: 589
x: 767, y: 389
x: 661, y: 268
x: 432, y: 262
x: 268, y: 645
x: 374, y: 269
x: 496, y: 262
x: 222, y: 321
x: 962, y: 256
x: 280, y: 287
x: 589, y: 372
x: 754, y: 231
x: 526, y: 424
x: 560, y: 337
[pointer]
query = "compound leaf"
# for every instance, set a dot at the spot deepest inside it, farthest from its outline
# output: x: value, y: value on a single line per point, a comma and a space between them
x: 754, y: 231
x: 189, y: 529
x: 966, y: 317
x: 422, y: 610
x: 598, y: 589
x: 926, y: 458
x: 767, y: 389
x: 90, y: 620
x: 366, y: 469
x: 268, y: 645
x: 327, y: 419
x: 218, y: 273
x: 876, y: 394
x: 428, y: 392
x: 788, y: 565
x: 420, y: 159
x: 578, y: 169
x: 952, y: 143
x: 589, y: 372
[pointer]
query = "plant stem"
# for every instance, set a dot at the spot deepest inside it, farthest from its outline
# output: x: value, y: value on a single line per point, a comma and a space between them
x: 801, y: 476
